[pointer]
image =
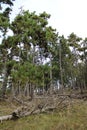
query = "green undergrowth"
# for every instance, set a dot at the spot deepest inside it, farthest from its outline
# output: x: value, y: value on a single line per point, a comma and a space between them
x: 72, y: 118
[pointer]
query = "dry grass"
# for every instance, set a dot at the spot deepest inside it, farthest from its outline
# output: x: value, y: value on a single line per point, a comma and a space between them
x: 72, y: 118
x: 6, y: 107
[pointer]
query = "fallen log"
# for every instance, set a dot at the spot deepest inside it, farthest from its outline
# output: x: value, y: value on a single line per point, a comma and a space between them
x: 7, y: 117
x: 20, y: 101
x: 37, y: 105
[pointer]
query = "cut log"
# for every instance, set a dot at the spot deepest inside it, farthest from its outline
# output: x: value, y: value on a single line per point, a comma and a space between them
x: 38, y: 105
x: 20, y: 101
x: 7, y: 117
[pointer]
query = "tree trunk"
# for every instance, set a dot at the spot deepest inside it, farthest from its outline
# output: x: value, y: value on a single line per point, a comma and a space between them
x: 4, y: 84
x: 61, y: 71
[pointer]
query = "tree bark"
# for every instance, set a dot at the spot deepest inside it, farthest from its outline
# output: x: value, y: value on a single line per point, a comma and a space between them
x: 4, y: 85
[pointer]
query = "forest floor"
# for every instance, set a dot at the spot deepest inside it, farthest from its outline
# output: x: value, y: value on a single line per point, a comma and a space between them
x: 74, y: 117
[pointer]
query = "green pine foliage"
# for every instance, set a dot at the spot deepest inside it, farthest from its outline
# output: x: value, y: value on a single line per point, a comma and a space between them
x: 23, y: 56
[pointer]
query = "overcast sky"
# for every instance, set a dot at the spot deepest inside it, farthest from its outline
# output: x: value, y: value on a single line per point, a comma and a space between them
x: 67, y: 16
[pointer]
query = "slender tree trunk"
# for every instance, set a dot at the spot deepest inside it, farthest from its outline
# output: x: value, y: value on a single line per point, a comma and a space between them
x: 51, y: 89
x: 4, y: 84
x: 27, y: 86
x: 61, y: 72
x: 32, y: 91
x: 13, y: 90
x: 43, y: 84
x: 51, y: 86
x: 19, y: 88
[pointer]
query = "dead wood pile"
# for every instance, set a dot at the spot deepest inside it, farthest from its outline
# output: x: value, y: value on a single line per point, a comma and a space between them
x: 40, y: 104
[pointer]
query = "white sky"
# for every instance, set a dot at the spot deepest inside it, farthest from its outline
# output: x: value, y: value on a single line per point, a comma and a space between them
x: 67, y: 16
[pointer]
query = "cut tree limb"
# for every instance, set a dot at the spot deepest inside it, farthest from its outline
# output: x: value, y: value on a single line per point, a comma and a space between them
x: 38, y: 105
x: 7, y: 117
